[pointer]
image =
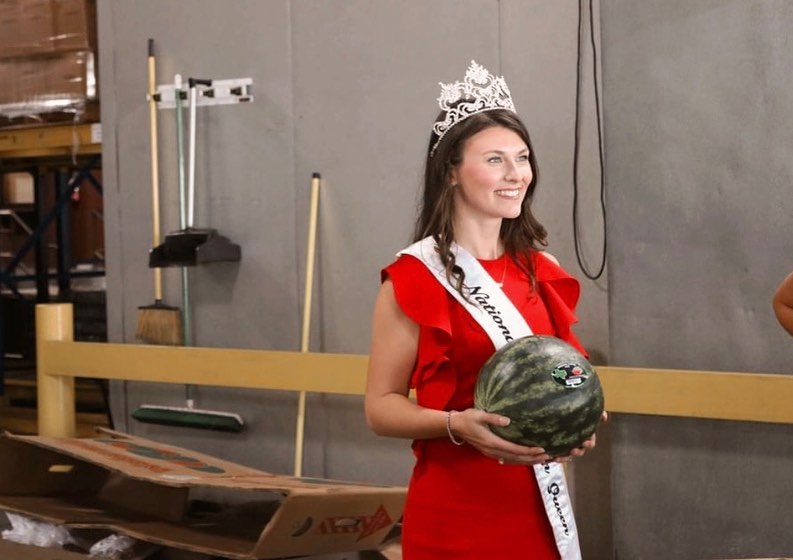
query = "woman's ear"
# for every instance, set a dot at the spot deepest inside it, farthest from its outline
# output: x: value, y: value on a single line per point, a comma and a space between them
x: 453, y: 177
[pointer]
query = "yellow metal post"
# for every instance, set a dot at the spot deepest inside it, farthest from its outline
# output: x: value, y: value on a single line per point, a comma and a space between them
x: 56, y: 407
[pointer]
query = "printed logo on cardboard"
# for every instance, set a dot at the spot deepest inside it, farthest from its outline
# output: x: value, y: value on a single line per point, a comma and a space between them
x: 166, y: 455
x: 366, y: 525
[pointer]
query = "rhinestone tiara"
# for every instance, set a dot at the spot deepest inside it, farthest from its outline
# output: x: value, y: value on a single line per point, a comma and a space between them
x: 480, y: 91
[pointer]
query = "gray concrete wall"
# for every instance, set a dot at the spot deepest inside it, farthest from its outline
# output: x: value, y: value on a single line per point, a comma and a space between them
x: 696, y: 105
x: 348, y: 89
x: 697, y: 109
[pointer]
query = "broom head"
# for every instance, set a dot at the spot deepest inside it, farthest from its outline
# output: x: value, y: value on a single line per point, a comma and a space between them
x: 189, y: 418
x: 160, y: 324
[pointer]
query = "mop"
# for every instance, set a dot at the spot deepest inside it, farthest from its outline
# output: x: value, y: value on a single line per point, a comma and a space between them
x: 187, y: 416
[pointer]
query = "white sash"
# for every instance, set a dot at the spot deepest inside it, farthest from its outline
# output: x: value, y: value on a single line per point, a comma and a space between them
x: 502, y: 322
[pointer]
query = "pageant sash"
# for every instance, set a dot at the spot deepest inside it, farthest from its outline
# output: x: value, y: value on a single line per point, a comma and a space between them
x: 502, y: 322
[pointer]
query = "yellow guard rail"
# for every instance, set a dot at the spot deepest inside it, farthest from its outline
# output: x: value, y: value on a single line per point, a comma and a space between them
x: 694, y: 394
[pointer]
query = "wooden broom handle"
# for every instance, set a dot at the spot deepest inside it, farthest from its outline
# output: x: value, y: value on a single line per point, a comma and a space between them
x: 310, y: 251
x: 155, y: 168
x: 306, y: 331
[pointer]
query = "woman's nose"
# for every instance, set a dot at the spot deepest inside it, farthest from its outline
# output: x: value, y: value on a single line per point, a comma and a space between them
x: 512, y: 172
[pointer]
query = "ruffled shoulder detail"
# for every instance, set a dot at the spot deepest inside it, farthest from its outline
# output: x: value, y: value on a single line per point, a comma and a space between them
x: 560, y: 292
x: 417, y: 292
x: 424, y: 300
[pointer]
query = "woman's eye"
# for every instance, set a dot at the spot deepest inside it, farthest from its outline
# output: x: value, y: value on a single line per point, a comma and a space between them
x: 494, y: 159
x: 523, y: 158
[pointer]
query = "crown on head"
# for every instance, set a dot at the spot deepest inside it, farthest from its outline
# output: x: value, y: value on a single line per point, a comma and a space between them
x: 480, y: 91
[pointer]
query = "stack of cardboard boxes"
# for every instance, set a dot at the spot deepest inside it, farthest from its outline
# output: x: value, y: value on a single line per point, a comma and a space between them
x: 47, y: 58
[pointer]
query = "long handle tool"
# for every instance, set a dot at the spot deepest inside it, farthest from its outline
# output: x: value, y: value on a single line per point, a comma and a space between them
x: 157, y: 323
x: 305, y: 335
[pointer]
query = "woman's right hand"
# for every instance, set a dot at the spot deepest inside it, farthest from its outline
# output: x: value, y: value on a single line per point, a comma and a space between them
x: 473, y: 426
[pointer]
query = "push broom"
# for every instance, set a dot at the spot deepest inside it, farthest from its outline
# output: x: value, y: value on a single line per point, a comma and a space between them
x: 187, y: 416
x: 306, y: 330
x: 158, y: 323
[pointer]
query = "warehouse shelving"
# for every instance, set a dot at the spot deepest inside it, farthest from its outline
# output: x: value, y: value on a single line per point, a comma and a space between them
x: 51, y: 141
x: 61, y: 158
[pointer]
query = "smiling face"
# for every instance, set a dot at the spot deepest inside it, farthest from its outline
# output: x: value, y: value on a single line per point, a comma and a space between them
x: 492, y: 178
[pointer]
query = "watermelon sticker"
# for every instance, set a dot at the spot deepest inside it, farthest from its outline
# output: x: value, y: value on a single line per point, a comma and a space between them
x: 569, y: 375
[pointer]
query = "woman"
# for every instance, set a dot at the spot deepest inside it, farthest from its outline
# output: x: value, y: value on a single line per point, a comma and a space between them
x: 472, y: 495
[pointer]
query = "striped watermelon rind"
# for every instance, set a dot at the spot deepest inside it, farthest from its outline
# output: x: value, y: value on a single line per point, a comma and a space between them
x: 518, y: 382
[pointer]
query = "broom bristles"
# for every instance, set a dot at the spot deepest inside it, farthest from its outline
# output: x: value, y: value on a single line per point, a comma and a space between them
x: 160, y: 324
x: 189, y: 417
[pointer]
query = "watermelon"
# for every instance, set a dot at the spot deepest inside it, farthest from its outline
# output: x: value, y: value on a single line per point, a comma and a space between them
x: 548, y: 390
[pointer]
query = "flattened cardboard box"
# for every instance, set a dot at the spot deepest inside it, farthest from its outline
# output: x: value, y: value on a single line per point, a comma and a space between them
x: 10, y: 550
x: 13, y: 551
x: 152, y: 492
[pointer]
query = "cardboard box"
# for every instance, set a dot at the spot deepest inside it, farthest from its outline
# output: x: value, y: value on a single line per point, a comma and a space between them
x: 388, y: 551
x: 9, y: 26
x: 36, y: 27
x: 18, y: 188
x: 69, y: 75
x: 9, y: 90
x: 185, y: 500
x: 14, y: 551
x: 45, y: 84
x: 26, y: 27
x: 74, y: 25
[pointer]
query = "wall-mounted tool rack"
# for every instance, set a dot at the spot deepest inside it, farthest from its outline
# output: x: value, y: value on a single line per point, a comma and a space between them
x: 221, y: 92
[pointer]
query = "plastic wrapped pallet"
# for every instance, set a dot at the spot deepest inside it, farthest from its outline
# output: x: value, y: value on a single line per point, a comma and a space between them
x: 46, y: 27
x: 47, y: 59
x: 64, y: 82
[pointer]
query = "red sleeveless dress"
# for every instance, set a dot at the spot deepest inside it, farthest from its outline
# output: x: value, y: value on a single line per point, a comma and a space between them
x: 461, y: 504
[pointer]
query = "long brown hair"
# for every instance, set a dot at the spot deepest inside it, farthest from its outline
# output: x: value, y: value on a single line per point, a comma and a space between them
x: 520, y: 235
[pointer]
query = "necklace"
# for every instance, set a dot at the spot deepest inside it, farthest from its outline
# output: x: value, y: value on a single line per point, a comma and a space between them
x: 492, y: 263
x: 504, y: 272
